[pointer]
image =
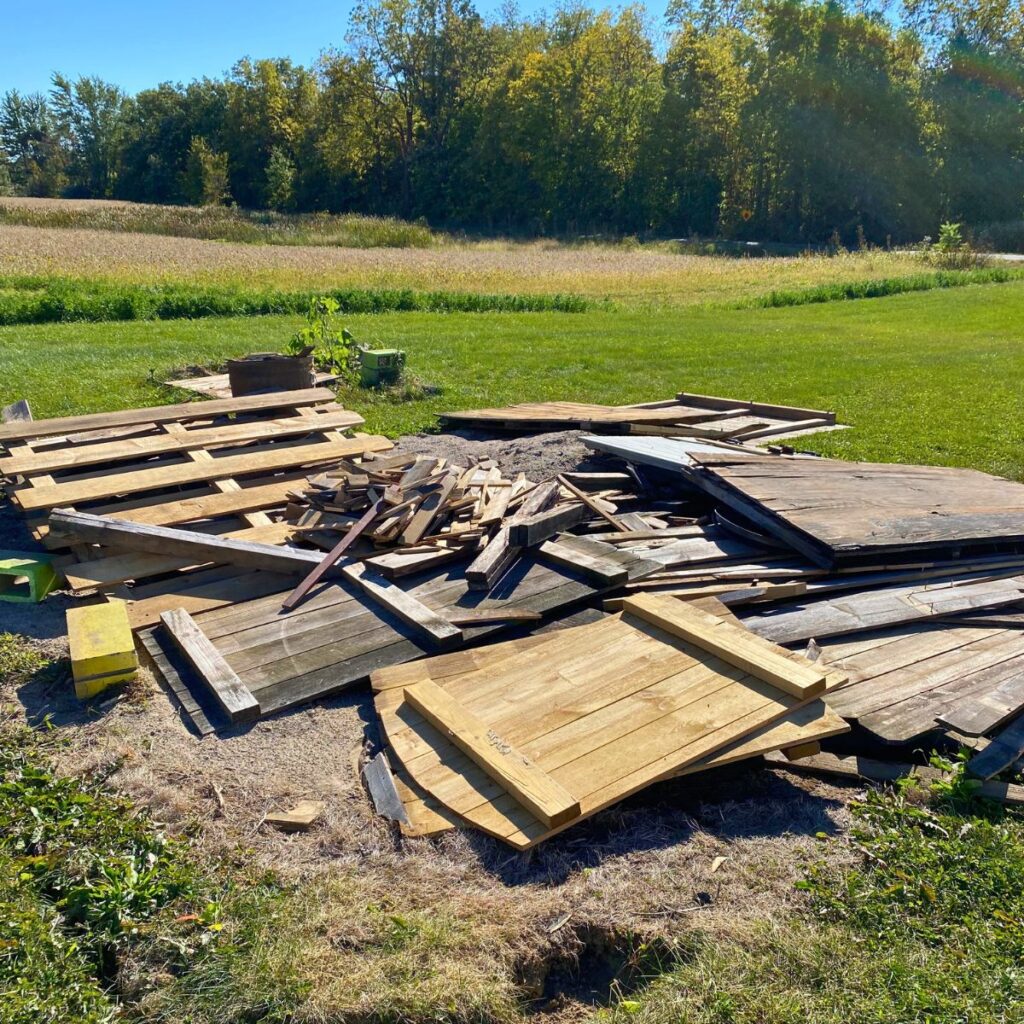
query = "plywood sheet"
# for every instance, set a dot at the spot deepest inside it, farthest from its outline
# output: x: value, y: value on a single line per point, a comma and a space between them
x: 604, y: 709
x: 839, y: 513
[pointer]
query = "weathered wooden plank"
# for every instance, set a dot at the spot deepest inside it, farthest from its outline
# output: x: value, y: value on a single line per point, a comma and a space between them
x: 733, y: 644
x: 80, y: 456
x: 539, y: 527
x: 231, y: 693
x: 594, y: 564
x: 876, y: 609
x: 408, y: 608
x: 108, y: 570
x: 198, y: 547
x: 95, y: 488
x: 529, y: 784
x: 22, y: 431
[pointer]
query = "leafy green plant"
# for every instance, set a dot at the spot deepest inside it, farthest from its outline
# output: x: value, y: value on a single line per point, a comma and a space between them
x: 334, y: 349
x: 952, y: 251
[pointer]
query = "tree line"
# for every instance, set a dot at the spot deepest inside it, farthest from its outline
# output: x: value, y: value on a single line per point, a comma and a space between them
x: 789, y: 120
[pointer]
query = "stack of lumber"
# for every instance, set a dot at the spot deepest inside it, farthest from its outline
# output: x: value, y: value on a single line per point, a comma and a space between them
x: 687, y: 415
x: 526, y: 738
x: 907, y: 579
x: 425, y: 510
x: 223, y: 468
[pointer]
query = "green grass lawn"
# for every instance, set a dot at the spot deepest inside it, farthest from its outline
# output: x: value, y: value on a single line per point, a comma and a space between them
x: 932, y: 377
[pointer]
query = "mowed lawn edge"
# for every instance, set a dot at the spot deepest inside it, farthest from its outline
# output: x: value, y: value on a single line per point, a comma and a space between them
x: 932, y: 377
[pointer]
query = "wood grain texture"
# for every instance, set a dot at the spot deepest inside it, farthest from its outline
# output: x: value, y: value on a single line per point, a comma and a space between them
x: 230, y: 692
x: 603, y: 709
x: 513, y: 771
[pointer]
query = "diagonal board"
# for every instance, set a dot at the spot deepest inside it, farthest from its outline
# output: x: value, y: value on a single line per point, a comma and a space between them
x: 838, y: 512
x: 603, y: 710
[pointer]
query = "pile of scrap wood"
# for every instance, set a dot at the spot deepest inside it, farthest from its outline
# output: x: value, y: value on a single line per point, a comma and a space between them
x: 542, y: 648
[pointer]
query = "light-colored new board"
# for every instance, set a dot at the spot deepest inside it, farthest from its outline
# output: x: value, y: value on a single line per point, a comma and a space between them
x: 603, y: 709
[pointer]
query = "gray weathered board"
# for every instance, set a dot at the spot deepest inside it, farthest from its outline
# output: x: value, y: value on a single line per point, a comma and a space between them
x: 906, y: 681
x: 844, y: 513
x: 337, y: 637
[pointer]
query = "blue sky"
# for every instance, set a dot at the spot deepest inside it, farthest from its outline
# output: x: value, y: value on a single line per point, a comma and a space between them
x: 141, y: 43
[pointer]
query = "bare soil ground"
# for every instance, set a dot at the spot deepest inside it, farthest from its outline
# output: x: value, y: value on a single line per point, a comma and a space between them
x: 563, y: 911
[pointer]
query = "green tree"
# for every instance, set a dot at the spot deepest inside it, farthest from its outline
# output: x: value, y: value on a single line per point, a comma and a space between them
x: 206, y: 176
x: 90, y: 114
x: 280, y: 180
x: 30, y: 137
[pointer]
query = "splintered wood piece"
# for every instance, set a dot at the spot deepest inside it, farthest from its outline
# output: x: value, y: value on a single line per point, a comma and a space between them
x: 380, y: 782
x: 409, y: 609
x: 300, y: 818
x: 731, y: 643
x: 594, y: 506
x: 531, y: 786
x: 428, y: 511
x: 229, y: 691
x: 332, y: 557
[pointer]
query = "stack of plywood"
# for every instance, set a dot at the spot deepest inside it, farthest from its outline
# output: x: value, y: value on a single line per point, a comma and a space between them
x: 686, y: 415
x: 525, y: 739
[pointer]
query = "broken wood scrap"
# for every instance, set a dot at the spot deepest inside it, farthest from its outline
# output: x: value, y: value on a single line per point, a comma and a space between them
x: 499, y: 554
x: 332, y: 557
x: 869, y: 769
x: 380, y: 784
x: 300, y: 818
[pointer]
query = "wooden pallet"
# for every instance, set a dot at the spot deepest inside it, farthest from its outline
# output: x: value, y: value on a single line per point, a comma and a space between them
x: 224, y: 467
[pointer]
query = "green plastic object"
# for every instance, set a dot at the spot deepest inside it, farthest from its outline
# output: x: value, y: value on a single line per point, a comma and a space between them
x: 380, y: 366
x: 26, y: 578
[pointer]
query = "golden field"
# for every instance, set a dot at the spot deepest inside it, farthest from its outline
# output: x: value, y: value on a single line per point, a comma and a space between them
x: 641, y: 275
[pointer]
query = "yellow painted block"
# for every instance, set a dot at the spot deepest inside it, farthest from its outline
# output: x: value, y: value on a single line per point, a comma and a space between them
x: 102, y: 648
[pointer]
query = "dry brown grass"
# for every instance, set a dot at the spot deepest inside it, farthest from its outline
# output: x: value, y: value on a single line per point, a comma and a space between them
x: 383, y: 928
x: 646, y: 275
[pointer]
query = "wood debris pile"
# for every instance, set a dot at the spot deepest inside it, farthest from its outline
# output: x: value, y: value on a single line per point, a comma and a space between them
x: 539, y: 649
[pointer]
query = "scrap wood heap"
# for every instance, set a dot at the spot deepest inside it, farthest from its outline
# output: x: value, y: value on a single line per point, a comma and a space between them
x: 737, y: 602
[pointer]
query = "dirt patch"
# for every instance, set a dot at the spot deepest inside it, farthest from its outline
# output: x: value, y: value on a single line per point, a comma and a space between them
x: 539, y: 456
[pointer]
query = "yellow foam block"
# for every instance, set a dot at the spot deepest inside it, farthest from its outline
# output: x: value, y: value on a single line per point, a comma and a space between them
x: 102, y: 648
